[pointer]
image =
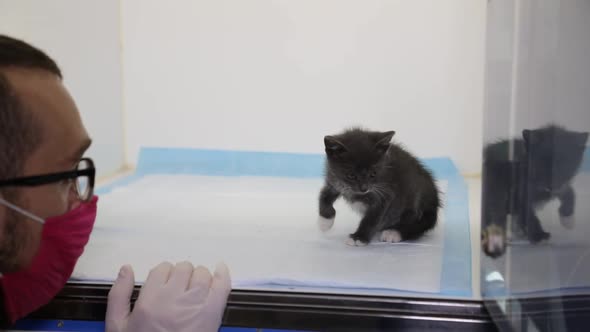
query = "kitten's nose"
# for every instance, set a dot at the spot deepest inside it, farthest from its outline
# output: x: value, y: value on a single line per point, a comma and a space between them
x: 364, y: 188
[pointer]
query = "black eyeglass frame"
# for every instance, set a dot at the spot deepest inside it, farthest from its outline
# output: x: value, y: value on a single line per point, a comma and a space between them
x: 43, y: 179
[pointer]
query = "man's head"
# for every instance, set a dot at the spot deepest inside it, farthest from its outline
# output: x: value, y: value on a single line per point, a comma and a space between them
x: 40, y: 132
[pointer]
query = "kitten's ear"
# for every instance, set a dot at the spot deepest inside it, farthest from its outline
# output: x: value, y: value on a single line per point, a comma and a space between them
x: 583, y: 138
x: 383, y: 141
x: 528, y: 136
x: 333, y: 146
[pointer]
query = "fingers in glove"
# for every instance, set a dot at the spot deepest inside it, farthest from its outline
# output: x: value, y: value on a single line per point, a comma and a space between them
x: 180, y: 278
x: 157, y: 278
x: 221, y: 279
x: 200, y: 284
x: 220, y: 285
x: 119, y: 299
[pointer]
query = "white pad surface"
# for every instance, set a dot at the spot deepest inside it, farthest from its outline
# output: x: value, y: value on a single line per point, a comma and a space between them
x: 264, y: 228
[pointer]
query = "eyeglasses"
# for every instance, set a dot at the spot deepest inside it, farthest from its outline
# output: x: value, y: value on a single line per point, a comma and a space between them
x: 83, y: 174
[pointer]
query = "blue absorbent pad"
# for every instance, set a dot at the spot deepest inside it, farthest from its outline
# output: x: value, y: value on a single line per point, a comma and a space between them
x: 257, y: 212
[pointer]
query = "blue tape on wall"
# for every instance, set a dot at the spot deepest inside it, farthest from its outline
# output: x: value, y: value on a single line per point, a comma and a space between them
x: 228, y: 163
x: 456, y: 269
x: 248, y: 163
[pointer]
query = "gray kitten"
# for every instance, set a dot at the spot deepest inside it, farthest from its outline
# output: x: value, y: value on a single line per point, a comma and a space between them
x: 395, y: 193
x: 543, y: 165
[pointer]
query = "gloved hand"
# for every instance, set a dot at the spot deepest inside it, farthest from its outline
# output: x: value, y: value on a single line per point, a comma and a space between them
x: 173, y: 299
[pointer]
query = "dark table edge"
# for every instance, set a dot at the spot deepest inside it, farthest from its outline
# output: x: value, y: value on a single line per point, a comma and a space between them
x: 337, y: 312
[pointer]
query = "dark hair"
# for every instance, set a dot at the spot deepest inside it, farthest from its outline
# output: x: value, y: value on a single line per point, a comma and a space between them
x: 20, y: 132
x: 17, y: 53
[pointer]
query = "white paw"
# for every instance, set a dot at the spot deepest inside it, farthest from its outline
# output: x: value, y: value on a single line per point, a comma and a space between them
x: 568, y: 222
x: 495, y: 243
x: 325, y: 224
x: 355, y: 243
x: 391, y: 236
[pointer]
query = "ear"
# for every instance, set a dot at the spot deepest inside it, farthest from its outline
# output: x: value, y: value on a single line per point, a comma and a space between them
x: 526, y: 134
x: 529, y: 136
x: 333, y: 146
x: 383, y: 141
x: 583, y: 138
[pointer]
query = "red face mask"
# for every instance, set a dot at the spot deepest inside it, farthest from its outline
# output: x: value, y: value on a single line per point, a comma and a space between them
x: 62, y: 242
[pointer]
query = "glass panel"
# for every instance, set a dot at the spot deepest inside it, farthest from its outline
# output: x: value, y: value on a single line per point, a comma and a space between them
x: 536, y: 168
x: 83, y: 182
x: 227, y: 110
x: 212, y: 122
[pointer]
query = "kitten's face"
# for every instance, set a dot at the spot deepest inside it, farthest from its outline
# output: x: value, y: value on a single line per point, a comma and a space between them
x: 354, y: 159
x: 555, y: 155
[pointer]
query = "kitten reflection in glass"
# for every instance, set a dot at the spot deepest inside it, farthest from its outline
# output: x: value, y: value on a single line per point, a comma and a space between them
x: 394, y: 192
x: 543, y: 165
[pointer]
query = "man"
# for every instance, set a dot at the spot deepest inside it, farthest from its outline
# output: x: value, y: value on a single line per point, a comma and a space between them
x: 47, y: 210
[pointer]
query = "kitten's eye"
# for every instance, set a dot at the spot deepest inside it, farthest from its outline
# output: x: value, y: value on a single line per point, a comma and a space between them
x: 351, y: 176
x: 373, y: 174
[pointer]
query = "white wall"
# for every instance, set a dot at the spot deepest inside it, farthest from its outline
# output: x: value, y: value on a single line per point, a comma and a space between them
x: 538, y: 69
x: 279, y: 75
x: 500, y: 70
x: 84, y: 38
x: 263, y: 74
x: 553, y: 75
